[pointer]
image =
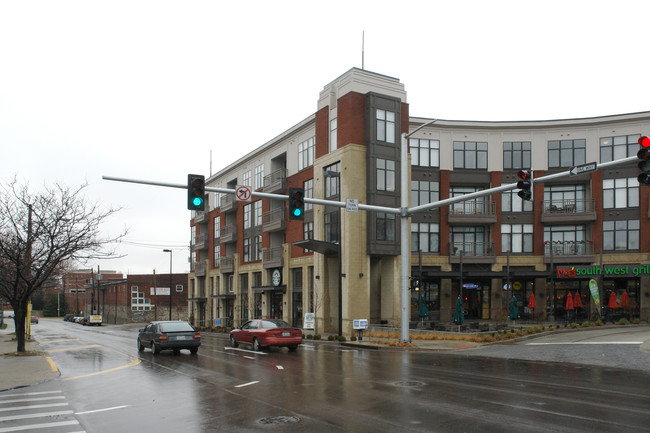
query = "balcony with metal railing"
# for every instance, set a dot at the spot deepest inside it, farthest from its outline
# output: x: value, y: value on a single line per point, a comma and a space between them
x: 274, y: 221
x: 199, y: 268
x: 228, y: 234
x: 272, y: 258
x: 228, y: 203
x: 276, y: 182
x: 201, y: 242
x: 568, y: 211
x: 200, y: 217
x: 227, y: 264
x: 472, y: 252
x: 569, y: 252
x: 473, y: 212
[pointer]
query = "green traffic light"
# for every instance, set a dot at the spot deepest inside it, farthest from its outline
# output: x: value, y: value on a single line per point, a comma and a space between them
x: 197, y: 201
x: 297, y: 212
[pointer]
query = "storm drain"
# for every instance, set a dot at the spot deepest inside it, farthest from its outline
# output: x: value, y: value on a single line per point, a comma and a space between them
x: 409, y: 383
x: 275, y: 420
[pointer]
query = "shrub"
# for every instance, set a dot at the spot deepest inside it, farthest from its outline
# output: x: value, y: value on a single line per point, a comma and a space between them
x: 341, y: 338
x: 574, y: 325
x: 599, y: 322
x: 310, y: 336
x: 636, y: 321
x: 623, y: 322
x: 585, y: 324
x: 353, y: 338
x: 316, y: 336
x: 331, y: 337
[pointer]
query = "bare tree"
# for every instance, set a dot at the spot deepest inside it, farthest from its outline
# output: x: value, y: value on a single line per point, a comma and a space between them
x: 39, y: 235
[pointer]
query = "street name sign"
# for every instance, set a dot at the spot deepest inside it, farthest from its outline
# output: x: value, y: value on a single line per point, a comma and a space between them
x: 583, y: 168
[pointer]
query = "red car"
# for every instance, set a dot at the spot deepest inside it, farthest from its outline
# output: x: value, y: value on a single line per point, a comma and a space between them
x: 261, y: 333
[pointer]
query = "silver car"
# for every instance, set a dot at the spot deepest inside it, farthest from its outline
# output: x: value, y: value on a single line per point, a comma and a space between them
x: 169, y: 335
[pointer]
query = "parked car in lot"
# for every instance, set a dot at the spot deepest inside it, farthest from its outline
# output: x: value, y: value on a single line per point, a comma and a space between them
x: 35, y: 319
x: 169, y: 335
x: 261, y: 333
x: 68, y: 317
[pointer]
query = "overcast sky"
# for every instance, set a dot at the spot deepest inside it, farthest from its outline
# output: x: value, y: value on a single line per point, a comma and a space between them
x: 145, y: 89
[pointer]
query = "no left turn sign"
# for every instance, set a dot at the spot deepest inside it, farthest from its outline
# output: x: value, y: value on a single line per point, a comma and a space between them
x: 243, y: 193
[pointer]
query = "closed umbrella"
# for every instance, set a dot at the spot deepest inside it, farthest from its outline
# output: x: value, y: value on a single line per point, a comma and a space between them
x: 612, y: 301
x: 459, y: 314
x: 514, y: 309
x: 625, y: 301
x: 577, y: 301
x: 531, y: 301
x: 422, y: 309
x: 569, y: 302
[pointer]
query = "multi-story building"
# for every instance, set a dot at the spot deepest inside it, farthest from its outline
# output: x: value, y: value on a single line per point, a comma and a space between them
x: 247, y: 262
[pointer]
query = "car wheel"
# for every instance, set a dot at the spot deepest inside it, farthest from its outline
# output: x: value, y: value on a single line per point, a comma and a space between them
x: 292, y: 348
x: 256, y: 345
x: 155, y: 348
x: 233, y: 341
x: 194, y: 350
x: 140, y: 346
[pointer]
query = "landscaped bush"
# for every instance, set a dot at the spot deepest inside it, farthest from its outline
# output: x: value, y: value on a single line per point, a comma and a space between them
x: 574, y: 325
x: 636, y: 321
x: 353, y: 338
x: 599, y: 322
x: 585, y: 324
x: 341, y: 338
x: 310, y: 336
x: 331, y: 337
x: 623, y: 322
x: 316, y: 336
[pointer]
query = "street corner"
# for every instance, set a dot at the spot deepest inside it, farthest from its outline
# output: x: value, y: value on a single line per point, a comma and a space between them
x: 25, y: 370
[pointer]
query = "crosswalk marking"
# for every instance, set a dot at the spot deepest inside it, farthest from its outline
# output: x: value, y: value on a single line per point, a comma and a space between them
x: 39, y: 427
x: 36, y: 408
x: 35, y: 415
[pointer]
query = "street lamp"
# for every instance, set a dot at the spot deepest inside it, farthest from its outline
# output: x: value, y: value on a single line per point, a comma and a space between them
x: 170, y: 282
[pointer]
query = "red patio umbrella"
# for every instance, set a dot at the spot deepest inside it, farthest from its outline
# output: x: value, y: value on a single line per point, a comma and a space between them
x: 569, y: 302
x: 625, y: 302
x: 612, y: 301
x: 577, y: 302
x: 531, y: 301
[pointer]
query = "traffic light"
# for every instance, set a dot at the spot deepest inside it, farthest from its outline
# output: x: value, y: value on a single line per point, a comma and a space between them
x: 296, y: 203
x: 644, y: 163
x: 525, y: 183
x: 195, y: 192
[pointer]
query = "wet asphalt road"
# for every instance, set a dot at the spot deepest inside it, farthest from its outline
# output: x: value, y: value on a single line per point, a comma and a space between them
x: 325, y: 387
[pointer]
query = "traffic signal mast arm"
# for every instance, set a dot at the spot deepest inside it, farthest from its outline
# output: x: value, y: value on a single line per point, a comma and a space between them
x: 510, y: 186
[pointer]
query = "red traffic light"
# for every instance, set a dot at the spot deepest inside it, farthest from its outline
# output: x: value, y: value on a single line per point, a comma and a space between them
x: 523, y: 174
x: 644, y: 141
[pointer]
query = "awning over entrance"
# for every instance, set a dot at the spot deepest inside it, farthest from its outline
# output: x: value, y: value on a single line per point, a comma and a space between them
x: 227, y: 296
x: 326, y: 248
x: 269, y: 289
x: 198, y: 299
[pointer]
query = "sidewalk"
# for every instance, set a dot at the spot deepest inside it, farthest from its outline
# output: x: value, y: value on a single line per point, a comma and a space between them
x: 20, y: 371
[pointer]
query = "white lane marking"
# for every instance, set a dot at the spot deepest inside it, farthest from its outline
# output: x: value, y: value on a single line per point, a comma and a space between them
x: 584, y: 342
x: 279, y: 367
x: 38, y: 426
x: 23, y: 400
x: 31, y: 393
x: 36, y: 406
x: 247, y: 384
x: 249, y: 357
x: 244, y: 350
x: 100, y: 410
x: 35, y: 415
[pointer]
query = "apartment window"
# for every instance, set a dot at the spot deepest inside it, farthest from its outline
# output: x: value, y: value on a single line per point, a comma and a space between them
x: 257, y: 247
x: 472, y: 240
x: 332, y: 182
x: 217, y: 200
x: 564, y: 196
x: 308, y: 230
x: 621, y: 235
x: 423, y: 192
x: 306, y: 154
x: 477, y: 205
x: 217, y: 256
x: 333, y: 131
x: 620, y: 193
x: 385, y: 175
x: 516, y: 155
x: 259, y: 176
x: 308, y: 187
x: 517, y: 238
x: 424, y: 153
x: 511, y: 202
x: 248, y: 209
x: 243, y: 281
x: 566, y: 153
x: 258, y: 213
x: 247, y: 249
x: 193, y: 229
x: 470, y: 154
x: 386, y: 126
x: 217, y: 227
x: 425, y: 237
x: 622, y: 146
x: 332, y: 226
x: 385, y: 226
x: 138, y: 301
x: 246, y: 179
